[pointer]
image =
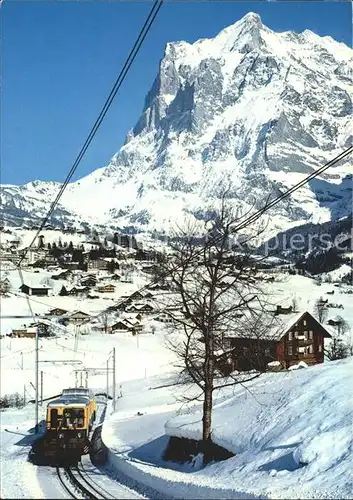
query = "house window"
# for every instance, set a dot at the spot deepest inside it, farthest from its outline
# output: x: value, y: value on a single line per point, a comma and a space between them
x: 290, y: 335
x: 320, y: 347
x: 310, y: 334
x: 290, y: 350
x: 305, y: 334
x: 296, y: 335
x: 310, y: 349
x: 304, y: 322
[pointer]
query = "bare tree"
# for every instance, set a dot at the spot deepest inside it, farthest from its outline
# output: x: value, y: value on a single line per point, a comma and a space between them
x: 105, y: 320
x: 320, y: 310
x: 340, y: 345
x: 216, y: 291
x: 5, y: 287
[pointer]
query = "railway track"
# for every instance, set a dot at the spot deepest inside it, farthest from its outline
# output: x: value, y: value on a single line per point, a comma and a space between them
x: 78, y: 484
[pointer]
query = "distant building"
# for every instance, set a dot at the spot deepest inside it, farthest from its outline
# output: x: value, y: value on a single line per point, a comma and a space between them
x: 299, y: 338
x: 106, y: 289
x: 98, y: 264
x: 56, y: 312
x: 40, y: 290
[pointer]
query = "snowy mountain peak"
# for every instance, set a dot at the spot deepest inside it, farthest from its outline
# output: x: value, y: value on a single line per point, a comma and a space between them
x: 250, y: 108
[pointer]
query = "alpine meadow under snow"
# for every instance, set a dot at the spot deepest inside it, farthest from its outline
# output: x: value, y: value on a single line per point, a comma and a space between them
x: 250, y: 108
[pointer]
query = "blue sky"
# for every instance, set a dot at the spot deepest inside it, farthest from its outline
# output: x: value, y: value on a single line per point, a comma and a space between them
x: 60, y: 59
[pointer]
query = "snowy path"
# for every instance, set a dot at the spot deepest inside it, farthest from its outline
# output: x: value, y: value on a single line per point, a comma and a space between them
x: 18, y: 476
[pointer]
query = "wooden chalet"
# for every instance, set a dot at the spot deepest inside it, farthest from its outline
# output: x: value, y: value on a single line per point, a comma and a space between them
x: 56, y: 312
x: 140, y: 308
x: 78, y: 290
x: 126, y: 325
x: 63, y: 275
x: 97, y: 264
x: 299, y: 338
x: 39, y: 290
x: 106, y: 288
x: 121, y: 325
x: 29, y: 333
x: 89, y: 281
x: 76, y: 318
x: 42, y: 327
x: 136, y: 296
x: 283, y: 310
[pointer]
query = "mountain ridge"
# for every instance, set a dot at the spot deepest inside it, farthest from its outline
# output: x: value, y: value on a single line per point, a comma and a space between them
x: 250, y: 108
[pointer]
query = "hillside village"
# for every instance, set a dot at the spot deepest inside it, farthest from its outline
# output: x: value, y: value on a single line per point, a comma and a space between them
x: 81, y: 283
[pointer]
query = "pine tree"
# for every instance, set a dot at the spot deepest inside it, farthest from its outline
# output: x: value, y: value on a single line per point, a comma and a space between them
x: 63, y: 292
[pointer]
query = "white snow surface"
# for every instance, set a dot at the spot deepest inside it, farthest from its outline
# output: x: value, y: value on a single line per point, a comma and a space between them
x: 291, y: 434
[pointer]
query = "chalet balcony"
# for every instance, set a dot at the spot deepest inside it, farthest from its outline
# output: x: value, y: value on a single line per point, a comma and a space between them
x: 302, y: 342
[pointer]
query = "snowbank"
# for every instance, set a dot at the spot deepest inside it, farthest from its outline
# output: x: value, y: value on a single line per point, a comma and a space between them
x: 291, y: 433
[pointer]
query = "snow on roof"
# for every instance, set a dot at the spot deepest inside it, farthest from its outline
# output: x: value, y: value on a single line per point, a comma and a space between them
x: 38, y: 285
x: 266, y: 327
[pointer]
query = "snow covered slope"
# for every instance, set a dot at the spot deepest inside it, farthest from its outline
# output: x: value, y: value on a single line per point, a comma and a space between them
x: 254, y: 108
x: 291, y: 433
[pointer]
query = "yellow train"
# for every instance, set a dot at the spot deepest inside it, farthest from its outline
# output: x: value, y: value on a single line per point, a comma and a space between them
x: 69, y: 421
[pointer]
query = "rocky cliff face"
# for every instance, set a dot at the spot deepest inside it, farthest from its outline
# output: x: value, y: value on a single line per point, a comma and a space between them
x: 250, y: 109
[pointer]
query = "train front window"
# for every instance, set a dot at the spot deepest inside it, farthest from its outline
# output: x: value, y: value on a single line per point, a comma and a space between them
x: 54, y: 418
x: 74, y: 418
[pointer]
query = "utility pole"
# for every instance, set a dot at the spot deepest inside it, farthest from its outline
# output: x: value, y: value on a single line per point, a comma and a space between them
x: 36, y: 379
x: 24, y: 394
x: 114, y: 381
x: 107, y: 378
x: 21, y: 360
x: 41, y: 388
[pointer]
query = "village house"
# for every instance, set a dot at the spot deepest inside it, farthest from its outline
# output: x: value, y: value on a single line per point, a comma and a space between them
x: 8, y: 256
x: 97, y: 264
x: 89, y: 281
x: 62, y: 275
x: 39, y: 289
x: 283, y: 310
x: 75, y: 318
x: 140, y: 308
x: 42, y: 327
x: 126, y: 325
x: 164, y: 318
x: 24, y: 333
x: 78, y: 290
x: 56, y: 312
x: 299, y: 338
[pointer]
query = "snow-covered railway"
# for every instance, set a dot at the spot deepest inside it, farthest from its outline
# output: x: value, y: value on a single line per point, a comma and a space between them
x: 76, y: 481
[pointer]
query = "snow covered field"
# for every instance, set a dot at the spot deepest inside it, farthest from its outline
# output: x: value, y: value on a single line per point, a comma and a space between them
x: 272, y: 425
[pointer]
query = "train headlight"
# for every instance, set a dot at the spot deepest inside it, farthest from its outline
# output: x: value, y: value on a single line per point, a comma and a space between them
x: 61, y: 435
x: 79, y: 435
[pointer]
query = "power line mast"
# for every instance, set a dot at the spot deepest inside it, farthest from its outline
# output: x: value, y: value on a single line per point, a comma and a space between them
x: 114, y: 380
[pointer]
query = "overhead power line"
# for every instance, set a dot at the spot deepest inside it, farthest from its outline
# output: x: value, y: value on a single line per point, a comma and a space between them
x: 256, y: 215
x: 120, y: 79
x: 251, y: 218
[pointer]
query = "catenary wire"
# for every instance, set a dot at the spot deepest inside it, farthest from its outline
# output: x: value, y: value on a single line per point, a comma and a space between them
x: 252, y: 218
x: 120, y: 79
